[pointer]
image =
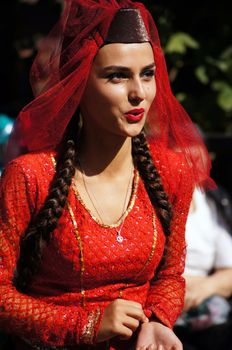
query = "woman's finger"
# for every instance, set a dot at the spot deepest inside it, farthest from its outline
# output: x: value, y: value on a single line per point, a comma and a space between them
x: 151, y: 347
x: 129, y: 303
x: 136, y: 313
x: 124, y: 332
x: 178, y: 346
x: 131, y: 323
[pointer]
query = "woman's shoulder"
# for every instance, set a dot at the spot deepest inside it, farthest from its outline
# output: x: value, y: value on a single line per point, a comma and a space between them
x: 33, y: 159
x: 172, y: 167
x: 167, y: 159
x: 31, y: 165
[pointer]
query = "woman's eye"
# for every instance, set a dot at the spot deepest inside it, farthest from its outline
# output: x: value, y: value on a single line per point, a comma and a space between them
x: 115, y: 77
x: 149, y: 73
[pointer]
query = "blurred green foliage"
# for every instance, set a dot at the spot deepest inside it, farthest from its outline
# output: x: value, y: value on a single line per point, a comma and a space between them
x: 196, y: 38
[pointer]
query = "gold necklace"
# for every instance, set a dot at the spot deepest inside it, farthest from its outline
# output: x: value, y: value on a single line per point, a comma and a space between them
x: 119, y: 237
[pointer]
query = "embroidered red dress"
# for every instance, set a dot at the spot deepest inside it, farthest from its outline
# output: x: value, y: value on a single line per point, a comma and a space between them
x: 84, y: 268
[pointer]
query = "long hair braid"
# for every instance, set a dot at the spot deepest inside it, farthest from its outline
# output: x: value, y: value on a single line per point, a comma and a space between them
x: 153, y: 184
x: 39, y: 231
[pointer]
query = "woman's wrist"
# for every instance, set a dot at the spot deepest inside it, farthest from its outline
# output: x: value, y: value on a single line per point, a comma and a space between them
x: 153, y: 318
x: 210, y: 287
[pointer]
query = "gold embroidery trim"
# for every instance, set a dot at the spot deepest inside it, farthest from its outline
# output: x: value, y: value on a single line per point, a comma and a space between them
x: 124, y: 215
x: 87, y: 336
x: 82, y: 262
x: 153, y: 244
x: 53, y: 161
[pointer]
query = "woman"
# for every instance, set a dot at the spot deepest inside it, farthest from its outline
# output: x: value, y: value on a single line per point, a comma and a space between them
x: 89, y: 212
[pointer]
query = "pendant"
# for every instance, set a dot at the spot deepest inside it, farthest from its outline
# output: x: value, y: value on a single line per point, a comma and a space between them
x: 119, y: 237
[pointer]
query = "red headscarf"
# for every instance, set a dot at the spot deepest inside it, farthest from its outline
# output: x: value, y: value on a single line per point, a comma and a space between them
x: 60, y: 72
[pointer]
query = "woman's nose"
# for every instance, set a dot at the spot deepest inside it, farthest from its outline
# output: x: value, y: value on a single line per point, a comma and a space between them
x: 136, y: 93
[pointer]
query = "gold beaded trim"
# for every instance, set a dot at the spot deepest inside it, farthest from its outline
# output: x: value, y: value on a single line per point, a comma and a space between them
x: 87, y: 336
x: 82, y: 262
x: 153, y: 244
x: 124, y: 215
x: 53, y: 161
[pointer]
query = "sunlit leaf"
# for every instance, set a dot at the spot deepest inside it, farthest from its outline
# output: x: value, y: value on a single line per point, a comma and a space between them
x: 181, y: 96
x: 179, y: 43
x: 201, y: 74
x: 220, y: 64
x: 224, y: 99
x: 227, y: 54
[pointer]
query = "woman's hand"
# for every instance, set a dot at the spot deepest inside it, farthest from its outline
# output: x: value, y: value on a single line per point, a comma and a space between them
x: 218, y: 283
x: 155, y: 336
x: 121, y: 318
x: 194, y: 295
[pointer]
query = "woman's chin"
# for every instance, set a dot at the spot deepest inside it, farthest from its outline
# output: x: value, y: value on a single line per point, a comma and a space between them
x: 134, y: 129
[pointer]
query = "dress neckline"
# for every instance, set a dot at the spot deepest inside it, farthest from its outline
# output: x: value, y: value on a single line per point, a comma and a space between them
x: 130, y: 206
x: 126, y: 212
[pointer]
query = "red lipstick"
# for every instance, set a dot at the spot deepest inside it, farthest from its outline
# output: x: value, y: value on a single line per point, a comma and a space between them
x: 135, y: 115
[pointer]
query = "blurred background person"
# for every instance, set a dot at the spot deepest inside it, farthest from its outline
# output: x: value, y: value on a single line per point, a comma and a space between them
x: 205, y: 322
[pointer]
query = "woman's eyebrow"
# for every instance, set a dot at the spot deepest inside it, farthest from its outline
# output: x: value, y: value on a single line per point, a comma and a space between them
x: 123, y: 68
x: 150, y: 66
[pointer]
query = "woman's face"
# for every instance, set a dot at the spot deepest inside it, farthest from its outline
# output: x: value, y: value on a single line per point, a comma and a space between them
x: 120, y: 89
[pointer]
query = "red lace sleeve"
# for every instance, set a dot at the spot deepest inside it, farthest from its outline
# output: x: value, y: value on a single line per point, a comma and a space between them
x: 23, y: 315
x: 166, y: 295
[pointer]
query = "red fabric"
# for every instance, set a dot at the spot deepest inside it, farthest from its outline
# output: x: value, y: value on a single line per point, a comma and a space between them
x: 52, y: 312
x: 59, y: 75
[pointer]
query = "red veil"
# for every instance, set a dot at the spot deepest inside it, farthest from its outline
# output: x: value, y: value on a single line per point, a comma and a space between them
x: 59, y: 74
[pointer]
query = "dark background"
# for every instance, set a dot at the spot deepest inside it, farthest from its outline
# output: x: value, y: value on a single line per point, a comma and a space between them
x: 197, y: 41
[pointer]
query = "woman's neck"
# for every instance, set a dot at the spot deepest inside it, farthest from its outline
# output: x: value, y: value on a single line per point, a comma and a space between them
x: 106, y: 156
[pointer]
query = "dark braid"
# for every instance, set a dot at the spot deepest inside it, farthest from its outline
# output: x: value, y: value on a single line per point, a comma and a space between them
x: 153, y: 184
x: 39, y: 231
